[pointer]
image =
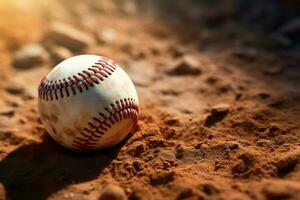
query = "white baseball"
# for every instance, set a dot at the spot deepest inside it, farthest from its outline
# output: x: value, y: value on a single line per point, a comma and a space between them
x: 88, y: 102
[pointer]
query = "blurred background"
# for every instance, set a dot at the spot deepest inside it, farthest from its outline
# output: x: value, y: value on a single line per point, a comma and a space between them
x: 24, y: 21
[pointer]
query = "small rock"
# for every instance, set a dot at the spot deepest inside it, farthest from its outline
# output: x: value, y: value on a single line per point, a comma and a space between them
x: 170, y: 91
x: 11, y: 137
x: 263, y: 142
x: 244, y: 164
x: 15, y: 103
x: 172, y: 122
x: 240, y: 167
x: 286, y: 165
x: 107, y: 35
x: 112, y: 192
x: 59, y: 53
x: 179, y: 153
x: 138, y: 165
x: 137, y: 149
x: 212, y: 80
x: 208, y: 189
x: 30, y: 56
x: 217, y: 113
x: 8, y: 112
x: 67, y: 36
x: 155, y: 50
x: 6, y: 133
x: 157, y: 142
x: 23, y: 120
x: 233, y: 146
x: 247, y: 158
x: 220, y: 108
x: 185, y: 193
x: 14, y: 89
x: 264, y: 95
x: 274, y: 129
x: 151, y: 132
x: 238, y: 96
x: 292, y: 27
x: 225, y: 88
x: 169, y: 133
x: 218, y: 165
x: 167, y: 155
x: 161, y: 177
x: 186, y: 66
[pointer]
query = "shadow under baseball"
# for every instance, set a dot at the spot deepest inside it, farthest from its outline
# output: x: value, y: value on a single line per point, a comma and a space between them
x: 38, y: 170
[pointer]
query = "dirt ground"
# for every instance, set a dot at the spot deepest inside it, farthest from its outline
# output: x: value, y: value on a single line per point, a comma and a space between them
x: 219, y: 97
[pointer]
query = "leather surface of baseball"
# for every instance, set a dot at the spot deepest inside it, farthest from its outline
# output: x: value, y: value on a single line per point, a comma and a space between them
x: 88, y: 102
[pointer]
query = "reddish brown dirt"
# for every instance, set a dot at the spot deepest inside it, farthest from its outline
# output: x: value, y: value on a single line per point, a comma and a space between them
x: 230, y: 131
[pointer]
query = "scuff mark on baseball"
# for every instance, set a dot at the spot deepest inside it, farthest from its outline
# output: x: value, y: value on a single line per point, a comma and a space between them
x: 88, y: 102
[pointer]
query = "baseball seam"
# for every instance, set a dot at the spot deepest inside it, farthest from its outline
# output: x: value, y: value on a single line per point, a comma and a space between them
x: 99, y: 125
x: 51, y: 90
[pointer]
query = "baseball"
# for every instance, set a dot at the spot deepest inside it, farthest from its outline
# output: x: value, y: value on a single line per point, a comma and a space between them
x: 88, y: 102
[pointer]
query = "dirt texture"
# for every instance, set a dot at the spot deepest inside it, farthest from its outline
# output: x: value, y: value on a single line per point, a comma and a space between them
x: 218, y: 89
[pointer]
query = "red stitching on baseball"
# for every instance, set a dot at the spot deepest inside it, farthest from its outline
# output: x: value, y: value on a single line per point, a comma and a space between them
x: 50, y: 90
x: 122, y: 109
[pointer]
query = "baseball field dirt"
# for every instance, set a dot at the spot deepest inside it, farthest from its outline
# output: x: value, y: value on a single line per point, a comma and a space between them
x: 218, y: 85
